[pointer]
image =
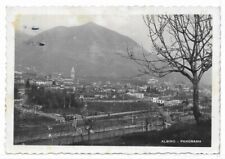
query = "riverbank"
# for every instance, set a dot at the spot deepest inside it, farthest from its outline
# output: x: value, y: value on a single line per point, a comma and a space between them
x: 180, y: 134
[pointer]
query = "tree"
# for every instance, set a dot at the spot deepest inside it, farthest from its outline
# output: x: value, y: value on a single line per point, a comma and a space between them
x: 27, y: 83
x: 181, y: 43
x: 148, y: 90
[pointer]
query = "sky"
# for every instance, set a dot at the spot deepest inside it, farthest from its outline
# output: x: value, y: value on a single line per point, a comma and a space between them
x: 129, y: 25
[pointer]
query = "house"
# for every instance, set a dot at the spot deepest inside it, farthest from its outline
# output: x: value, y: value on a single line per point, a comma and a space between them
x: 173, y: 102
x: 137, y: 95
x: 100, y: 96
x: 43, y: 83
x: 19, y: 78
x: 132, y: 90
x: 68, y: 81
x: 143, y: 88
x: 158, y: 101
x: 155, y: 99
x: 152, y: 81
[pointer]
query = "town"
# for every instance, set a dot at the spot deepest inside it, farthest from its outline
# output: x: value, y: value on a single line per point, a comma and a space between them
x: 75, y: 106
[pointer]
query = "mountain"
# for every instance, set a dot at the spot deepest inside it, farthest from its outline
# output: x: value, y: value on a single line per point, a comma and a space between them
x: 95, y: 50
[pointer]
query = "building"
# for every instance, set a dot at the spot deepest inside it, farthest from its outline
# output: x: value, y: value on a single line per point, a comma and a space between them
x: 56, y: 76
x: 157, y: 100
x: 137, y: 95
x: 68, y: 82
x: 152, y: 81
x: 69, y: 85
x: 173, y: 102
x: 44, y: 83
x: 143, y: 88
x: 19, y: 78
x: 72, y: 74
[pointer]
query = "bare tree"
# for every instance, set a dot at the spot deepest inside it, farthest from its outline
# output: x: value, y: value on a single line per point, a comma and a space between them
x: 181, y: 43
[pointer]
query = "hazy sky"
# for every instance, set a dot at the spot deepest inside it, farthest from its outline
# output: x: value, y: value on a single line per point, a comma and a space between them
x: 130, y: 25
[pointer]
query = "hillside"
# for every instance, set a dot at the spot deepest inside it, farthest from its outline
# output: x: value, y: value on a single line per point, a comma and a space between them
x: 94, y: 49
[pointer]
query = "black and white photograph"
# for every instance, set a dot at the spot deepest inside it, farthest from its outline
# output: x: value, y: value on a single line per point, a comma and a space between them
x: 140, y: 79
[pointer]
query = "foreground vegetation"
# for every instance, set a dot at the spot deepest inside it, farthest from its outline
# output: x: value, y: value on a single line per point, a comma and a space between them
x: 177, y: 132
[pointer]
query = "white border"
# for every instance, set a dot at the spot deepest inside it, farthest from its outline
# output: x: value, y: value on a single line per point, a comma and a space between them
x: 11, y: 12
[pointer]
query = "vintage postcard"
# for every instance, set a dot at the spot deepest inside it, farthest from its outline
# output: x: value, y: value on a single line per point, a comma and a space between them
x: 113, y: 80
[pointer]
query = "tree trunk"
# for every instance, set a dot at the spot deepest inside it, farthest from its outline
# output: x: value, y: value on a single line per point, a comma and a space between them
x: 196, y: 110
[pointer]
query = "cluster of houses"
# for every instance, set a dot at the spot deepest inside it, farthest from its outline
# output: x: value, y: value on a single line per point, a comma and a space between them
x: 104, y: 90
x: 99, y: 90
x: 52, y: 82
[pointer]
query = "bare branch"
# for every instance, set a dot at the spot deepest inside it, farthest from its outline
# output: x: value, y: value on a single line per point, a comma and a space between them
x: 181, y: 43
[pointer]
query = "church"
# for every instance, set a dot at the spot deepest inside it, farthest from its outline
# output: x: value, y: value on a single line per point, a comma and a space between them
x: 72, y: 74
x: 69, y: 82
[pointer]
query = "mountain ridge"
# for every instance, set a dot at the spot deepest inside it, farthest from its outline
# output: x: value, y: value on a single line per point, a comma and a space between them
x: 93, y: 48
x: 90, y: 44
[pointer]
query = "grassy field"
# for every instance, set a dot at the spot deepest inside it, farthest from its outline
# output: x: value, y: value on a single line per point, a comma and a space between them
x: 62, y: 111
x: 94, y: 107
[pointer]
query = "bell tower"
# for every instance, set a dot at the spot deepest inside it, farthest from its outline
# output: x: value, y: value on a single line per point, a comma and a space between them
x: 72, y: 73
